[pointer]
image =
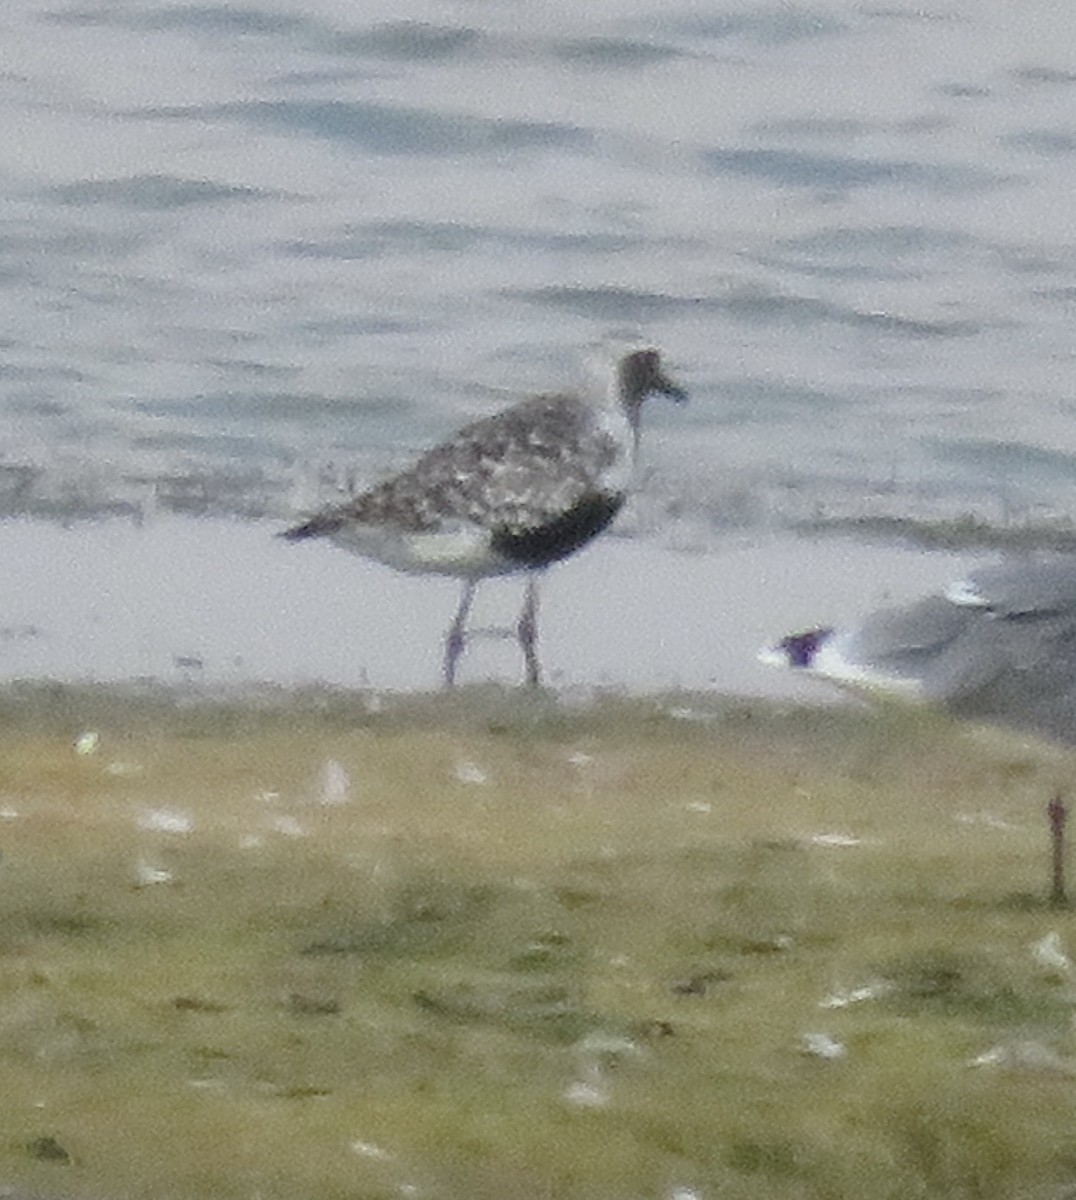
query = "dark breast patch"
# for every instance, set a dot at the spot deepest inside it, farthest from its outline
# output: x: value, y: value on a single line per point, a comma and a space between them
x: 561, y: 536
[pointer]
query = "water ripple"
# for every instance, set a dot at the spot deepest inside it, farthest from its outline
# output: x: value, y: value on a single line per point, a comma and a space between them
x: 1047, y: 142
x: 1012, y: 459
x: 601, y: 52
x: 389, y: 130
x: 381, y: 238
x: 406, y: 41
x: 195, y: 18
x: 154, y: 192
x: 753, y: 304
x: 778, y: 25
x: 797, y: 168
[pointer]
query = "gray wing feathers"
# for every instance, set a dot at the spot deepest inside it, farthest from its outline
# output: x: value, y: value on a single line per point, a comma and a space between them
x: 1023, y: 588
x: 516, y: 470
x: 978, y: 661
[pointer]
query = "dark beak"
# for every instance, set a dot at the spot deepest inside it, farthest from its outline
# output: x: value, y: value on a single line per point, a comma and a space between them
x: 667, y: 388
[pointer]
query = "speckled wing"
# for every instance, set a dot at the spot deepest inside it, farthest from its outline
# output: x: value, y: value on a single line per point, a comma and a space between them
x: 512, y: 472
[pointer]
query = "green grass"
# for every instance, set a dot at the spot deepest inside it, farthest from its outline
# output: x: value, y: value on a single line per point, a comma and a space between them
x: 539, y: 953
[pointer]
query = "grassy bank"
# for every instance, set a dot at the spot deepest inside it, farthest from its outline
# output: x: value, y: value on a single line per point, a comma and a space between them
x: 302, y: 946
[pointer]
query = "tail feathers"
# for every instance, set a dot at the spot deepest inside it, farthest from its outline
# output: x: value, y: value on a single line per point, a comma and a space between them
x: 320, y: 525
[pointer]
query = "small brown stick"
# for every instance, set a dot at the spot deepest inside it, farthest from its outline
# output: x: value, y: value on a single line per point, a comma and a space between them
x: 1058, y: 814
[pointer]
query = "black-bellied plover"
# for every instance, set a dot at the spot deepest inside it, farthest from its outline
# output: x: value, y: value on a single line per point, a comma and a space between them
x: 513, y: 492
x: 998, y: 646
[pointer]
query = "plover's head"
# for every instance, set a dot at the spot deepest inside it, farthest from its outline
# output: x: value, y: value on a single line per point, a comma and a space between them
x: 639, y: 374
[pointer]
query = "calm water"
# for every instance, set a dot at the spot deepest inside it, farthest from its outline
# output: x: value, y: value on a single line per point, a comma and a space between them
x: 252, y: 253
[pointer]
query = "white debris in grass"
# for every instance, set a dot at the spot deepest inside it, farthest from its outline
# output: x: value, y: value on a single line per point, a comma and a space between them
x: 470, y: 773
x: 1049, y: 952
x: 335, y: 784
x: 370, y: 1150
x: 598, y: 1052
x: 838, y: 841
x: 1024, y: 1056
x: 821, y: 1045
x: 589, y: 1092
x: 689, y: 714
x: 986, y: 820
x: 288, y: 826
x: 88, y: 742
x: 600, y: 1049
x: 846, y: 997
x: 165, y: 820
x: 147, y: 874
x: 124, y: 770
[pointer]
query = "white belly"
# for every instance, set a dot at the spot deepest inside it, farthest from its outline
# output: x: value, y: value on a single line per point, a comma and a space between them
x: 461, y: 551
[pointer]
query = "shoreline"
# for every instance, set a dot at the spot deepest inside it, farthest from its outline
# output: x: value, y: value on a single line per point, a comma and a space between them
x: 215, y: 603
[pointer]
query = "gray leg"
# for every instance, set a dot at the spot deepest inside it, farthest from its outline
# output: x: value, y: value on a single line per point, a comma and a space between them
x: 527, y: 631
x: 456, y: 638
